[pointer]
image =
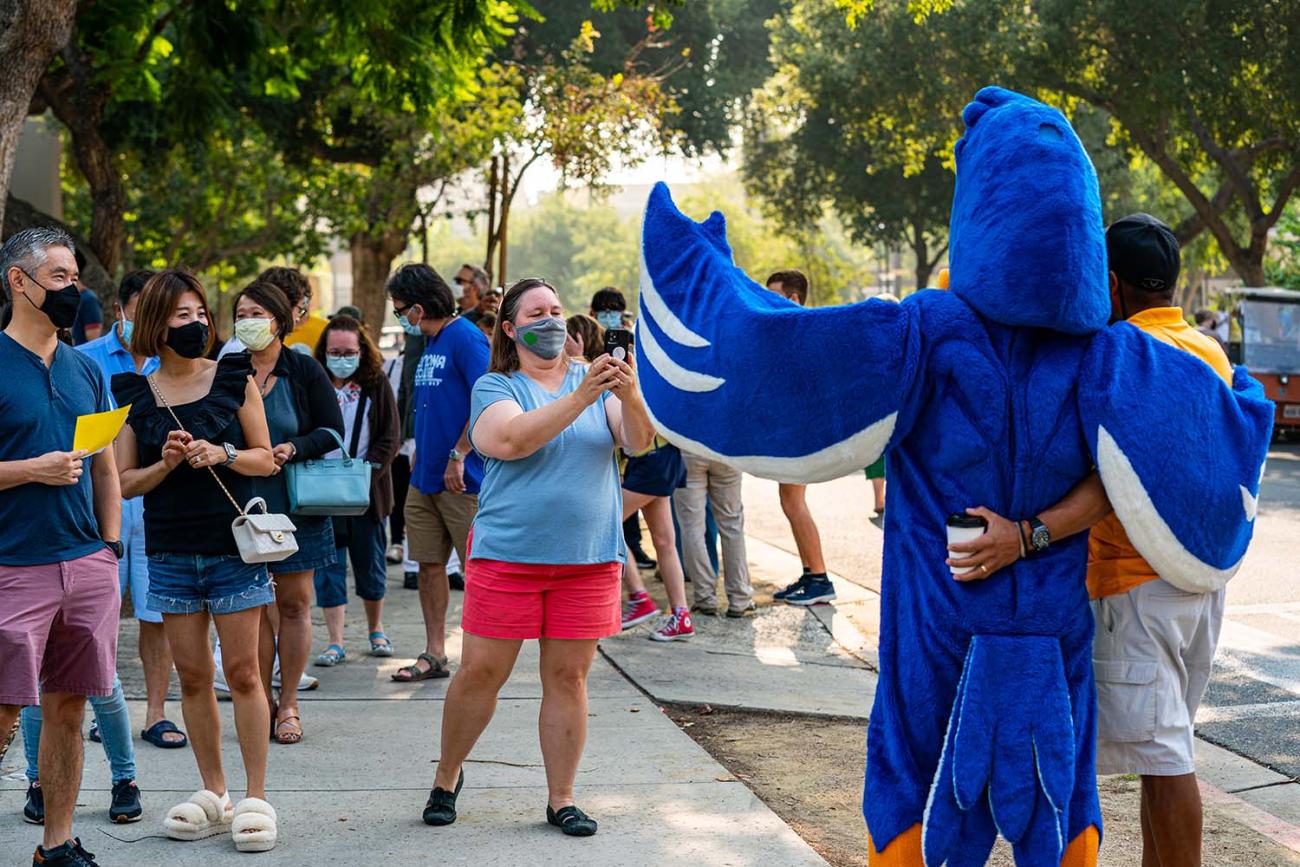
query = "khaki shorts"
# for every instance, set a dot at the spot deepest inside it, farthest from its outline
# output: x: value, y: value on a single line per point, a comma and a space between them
x: 1152, y: 656
x: 438, y: 523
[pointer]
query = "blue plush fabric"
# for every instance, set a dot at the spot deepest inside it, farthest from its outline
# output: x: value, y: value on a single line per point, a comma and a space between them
x: 997, y: 394
x: 1026, y: 244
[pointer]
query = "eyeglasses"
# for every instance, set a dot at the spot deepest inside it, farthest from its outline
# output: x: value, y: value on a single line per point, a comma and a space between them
x: 334, y: 353
x: 400, y: 312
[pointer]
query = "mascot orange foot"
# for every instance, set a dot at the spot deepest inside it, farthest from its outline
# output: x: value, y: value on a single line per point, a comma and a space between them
x: 905, y: 851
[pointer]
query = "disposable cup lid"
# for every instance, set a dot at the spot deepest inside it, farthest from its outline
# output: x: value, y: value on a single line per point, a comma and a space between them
x: 967, y: 522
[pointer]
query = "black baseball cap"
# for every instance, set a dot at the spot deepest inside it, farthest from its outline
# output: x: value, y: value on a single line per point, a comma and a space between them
x: 1143, y: 252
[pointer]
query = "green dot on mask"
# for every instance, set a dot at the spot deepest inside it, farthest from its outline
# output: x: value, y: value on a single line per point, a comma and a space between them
x: 530, y: 339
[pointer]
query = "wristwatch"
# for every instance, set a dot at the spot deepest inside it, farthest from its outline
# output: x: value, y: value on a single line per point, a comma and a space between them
x: 117, y: 548
x: 231, y: 454
x: 1039, y: 536
x: 456, y: 456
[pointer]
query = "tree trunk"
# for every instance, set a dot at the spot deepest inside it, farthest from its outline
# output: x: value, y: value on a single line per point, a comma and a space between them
x: 503, y: 227
x: 494, y: 186
x: 31, y: 32
x: 372, y: 257
x: 77, y: 100
x: 21, y: 215
x: 921, y: 250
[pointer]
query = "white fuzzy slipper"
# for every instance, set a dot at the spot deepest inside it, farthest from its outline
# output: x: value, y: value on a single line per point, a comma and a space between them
x: 254, y: 827
x: 205, y: 814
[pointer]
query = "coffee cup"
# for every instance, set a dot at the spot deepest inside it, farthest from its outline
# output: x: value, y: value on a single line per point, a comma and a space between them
x: 963, y: 528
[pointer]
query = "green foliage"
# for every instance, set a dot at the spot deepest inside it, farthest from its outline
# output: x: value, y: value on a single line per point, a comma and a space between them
x: 1208, y: 91
x: 843, y: 128
x: 710, y: 60
x: 1283, y: 267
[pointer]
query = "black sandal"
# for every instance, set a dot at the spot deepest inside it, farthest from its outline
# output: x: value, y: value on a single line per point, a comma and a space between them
x: 571, y: 821
x: 440, y: 809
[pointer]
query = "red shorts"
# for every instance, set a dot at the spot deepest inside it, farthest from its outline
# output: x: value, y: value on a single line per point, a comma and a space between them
x: 58, y: 628
x: 526, y: 600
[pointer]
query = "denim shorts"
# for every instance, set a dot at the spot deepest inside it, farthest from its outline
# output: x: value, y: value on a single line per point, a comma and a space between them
x: 315, y: 538
x: 223, y: 584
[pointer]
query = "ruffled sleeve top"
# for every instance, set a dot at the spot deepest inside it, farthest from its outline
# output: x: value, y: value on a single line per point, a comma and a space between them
x: 188, y: 513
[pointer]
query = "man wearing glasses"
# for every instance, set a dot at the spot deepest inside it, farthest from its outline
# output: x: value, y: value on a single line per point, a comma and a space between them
x: 473, y: 283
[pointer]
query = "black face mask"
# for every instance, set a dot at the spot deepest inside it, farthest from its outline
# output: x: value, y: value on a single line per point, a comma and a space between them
x: 60, y: 305
x: 189, y: 340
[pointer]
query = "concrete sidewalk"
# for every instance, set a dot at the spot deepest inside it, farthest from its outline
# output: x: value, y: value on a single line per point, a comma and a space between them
x: 352, y: 791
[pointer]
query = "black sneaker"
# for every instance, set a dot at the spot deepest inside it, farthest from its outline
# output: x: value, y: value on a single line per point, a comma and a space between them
x: 440, y: 809
x: 456, y: 581
x: 126, y: 803
x: 571, y: 821
x: 411, y: 581
x: 34, y: 810
x: 791, y: 588
x: 643, y: 560
x: 70, y: 854
x: 740, y: 613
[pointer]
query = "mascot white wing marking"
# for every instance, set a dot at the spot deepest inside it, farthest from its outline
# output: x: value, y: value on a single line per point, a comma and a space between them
x: 1249, y: 502
x: 1149, y: 532
x: 860, y: 450
x: 676, y: 375
x: 654, y: 303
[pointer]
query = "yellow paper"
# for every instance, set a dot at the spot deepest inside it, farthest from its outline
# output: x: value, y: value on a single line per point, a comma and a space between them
x: 97, y: 430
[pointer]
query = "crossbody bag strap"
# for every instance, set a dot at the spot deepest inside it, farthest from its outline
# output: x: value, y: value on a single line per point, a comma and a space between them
x: 356, y: 424
x: 158, y: 393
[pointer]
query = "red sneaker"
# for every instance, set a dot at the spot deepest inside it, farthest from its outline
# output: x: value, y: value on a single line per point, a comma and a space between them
x: 675, y: 627
x: 636, y: 611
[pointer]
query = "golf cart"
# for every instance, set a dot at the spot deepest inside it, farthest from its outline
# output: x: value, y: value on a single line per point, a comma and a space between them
x: 1264, y: 335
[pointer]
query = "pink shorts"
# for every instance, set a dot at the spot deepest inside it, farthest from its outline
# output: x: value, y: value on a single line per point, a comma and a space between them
x: 58, y: 628
x: 526, y: 600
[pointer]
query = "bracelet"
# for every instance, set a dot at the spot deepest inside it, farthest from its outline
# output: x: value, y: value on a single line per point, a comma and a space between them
x: 1024, y: 543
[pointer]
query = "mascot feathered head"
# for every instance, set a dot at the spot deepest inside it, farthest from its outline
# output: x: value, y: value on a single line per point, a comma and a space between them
x: 1028, y: 246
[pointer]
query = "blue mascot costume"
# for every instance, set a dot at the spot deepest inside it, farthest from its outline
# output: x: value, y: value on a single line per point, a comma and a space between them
x: 1005, y: 391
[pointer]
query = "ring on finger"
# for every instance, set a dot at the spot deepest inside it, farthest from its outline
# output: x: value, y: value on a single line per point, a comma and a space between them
x: 984, y: 569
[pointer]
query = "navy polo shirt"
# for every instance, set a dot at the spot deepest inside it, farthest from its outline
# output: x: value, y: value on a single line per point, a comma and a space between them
x: 39, y: 406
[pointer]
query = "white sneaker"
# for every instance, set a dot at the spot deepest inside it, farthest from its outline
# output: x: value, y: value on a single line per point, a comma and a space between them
x: 306, y: 683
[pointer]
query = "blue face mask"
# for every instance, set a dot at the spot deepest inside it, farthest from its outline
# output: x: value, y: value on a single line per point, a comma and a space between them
x: 610, y: 318
x: 413, y: 330
x: 343, y: 366
x: 128, y: 328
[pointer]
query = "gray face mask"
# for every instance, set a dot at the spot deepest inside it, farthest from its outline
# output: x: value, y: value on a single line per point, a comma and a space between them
x: 544, y: 338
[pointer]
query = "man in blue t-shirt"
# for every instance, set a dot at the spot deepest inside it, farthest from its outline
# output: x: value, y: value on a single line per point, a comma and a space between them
x: 445, y: 471
x: 60, y: 516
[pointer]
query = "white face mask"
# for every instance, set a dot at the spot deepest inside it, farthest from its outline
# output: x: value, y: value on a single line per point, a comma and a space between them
x: 256, y: 334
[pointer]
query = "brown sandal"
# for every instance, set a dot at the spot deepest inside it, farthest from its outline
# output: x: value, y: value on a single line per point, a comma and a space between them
x: 287, y: 731
x: 411, y: 673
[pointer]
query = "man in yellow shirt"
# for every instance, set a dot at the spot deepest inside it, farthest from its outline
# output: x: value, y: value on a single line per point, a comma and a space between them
x: 1154, y: 643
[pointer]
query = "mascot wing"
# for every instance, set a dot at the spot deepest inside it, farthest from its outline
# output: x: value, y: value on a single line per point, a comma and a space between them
x: 1180, y: 453
x: 739, y: 374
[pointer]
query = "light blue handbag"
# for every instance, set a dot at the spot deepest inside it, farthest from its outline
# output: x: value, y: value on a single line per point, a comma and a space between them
x: 333, y: 486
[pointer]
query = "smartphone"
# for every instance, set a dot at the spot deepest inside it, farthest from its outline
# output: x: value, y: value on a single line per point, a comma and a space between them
x: 618, y: 343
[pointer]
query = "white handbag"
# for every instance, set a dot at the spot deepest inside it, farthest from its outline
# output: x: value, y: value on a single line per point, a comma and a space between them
x: 264, y: 537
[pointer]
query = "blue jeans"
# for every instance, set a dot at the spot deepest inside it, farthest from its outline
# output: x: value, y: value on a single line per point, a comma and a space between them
x: 114, y: 730
x: 361, y: 540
